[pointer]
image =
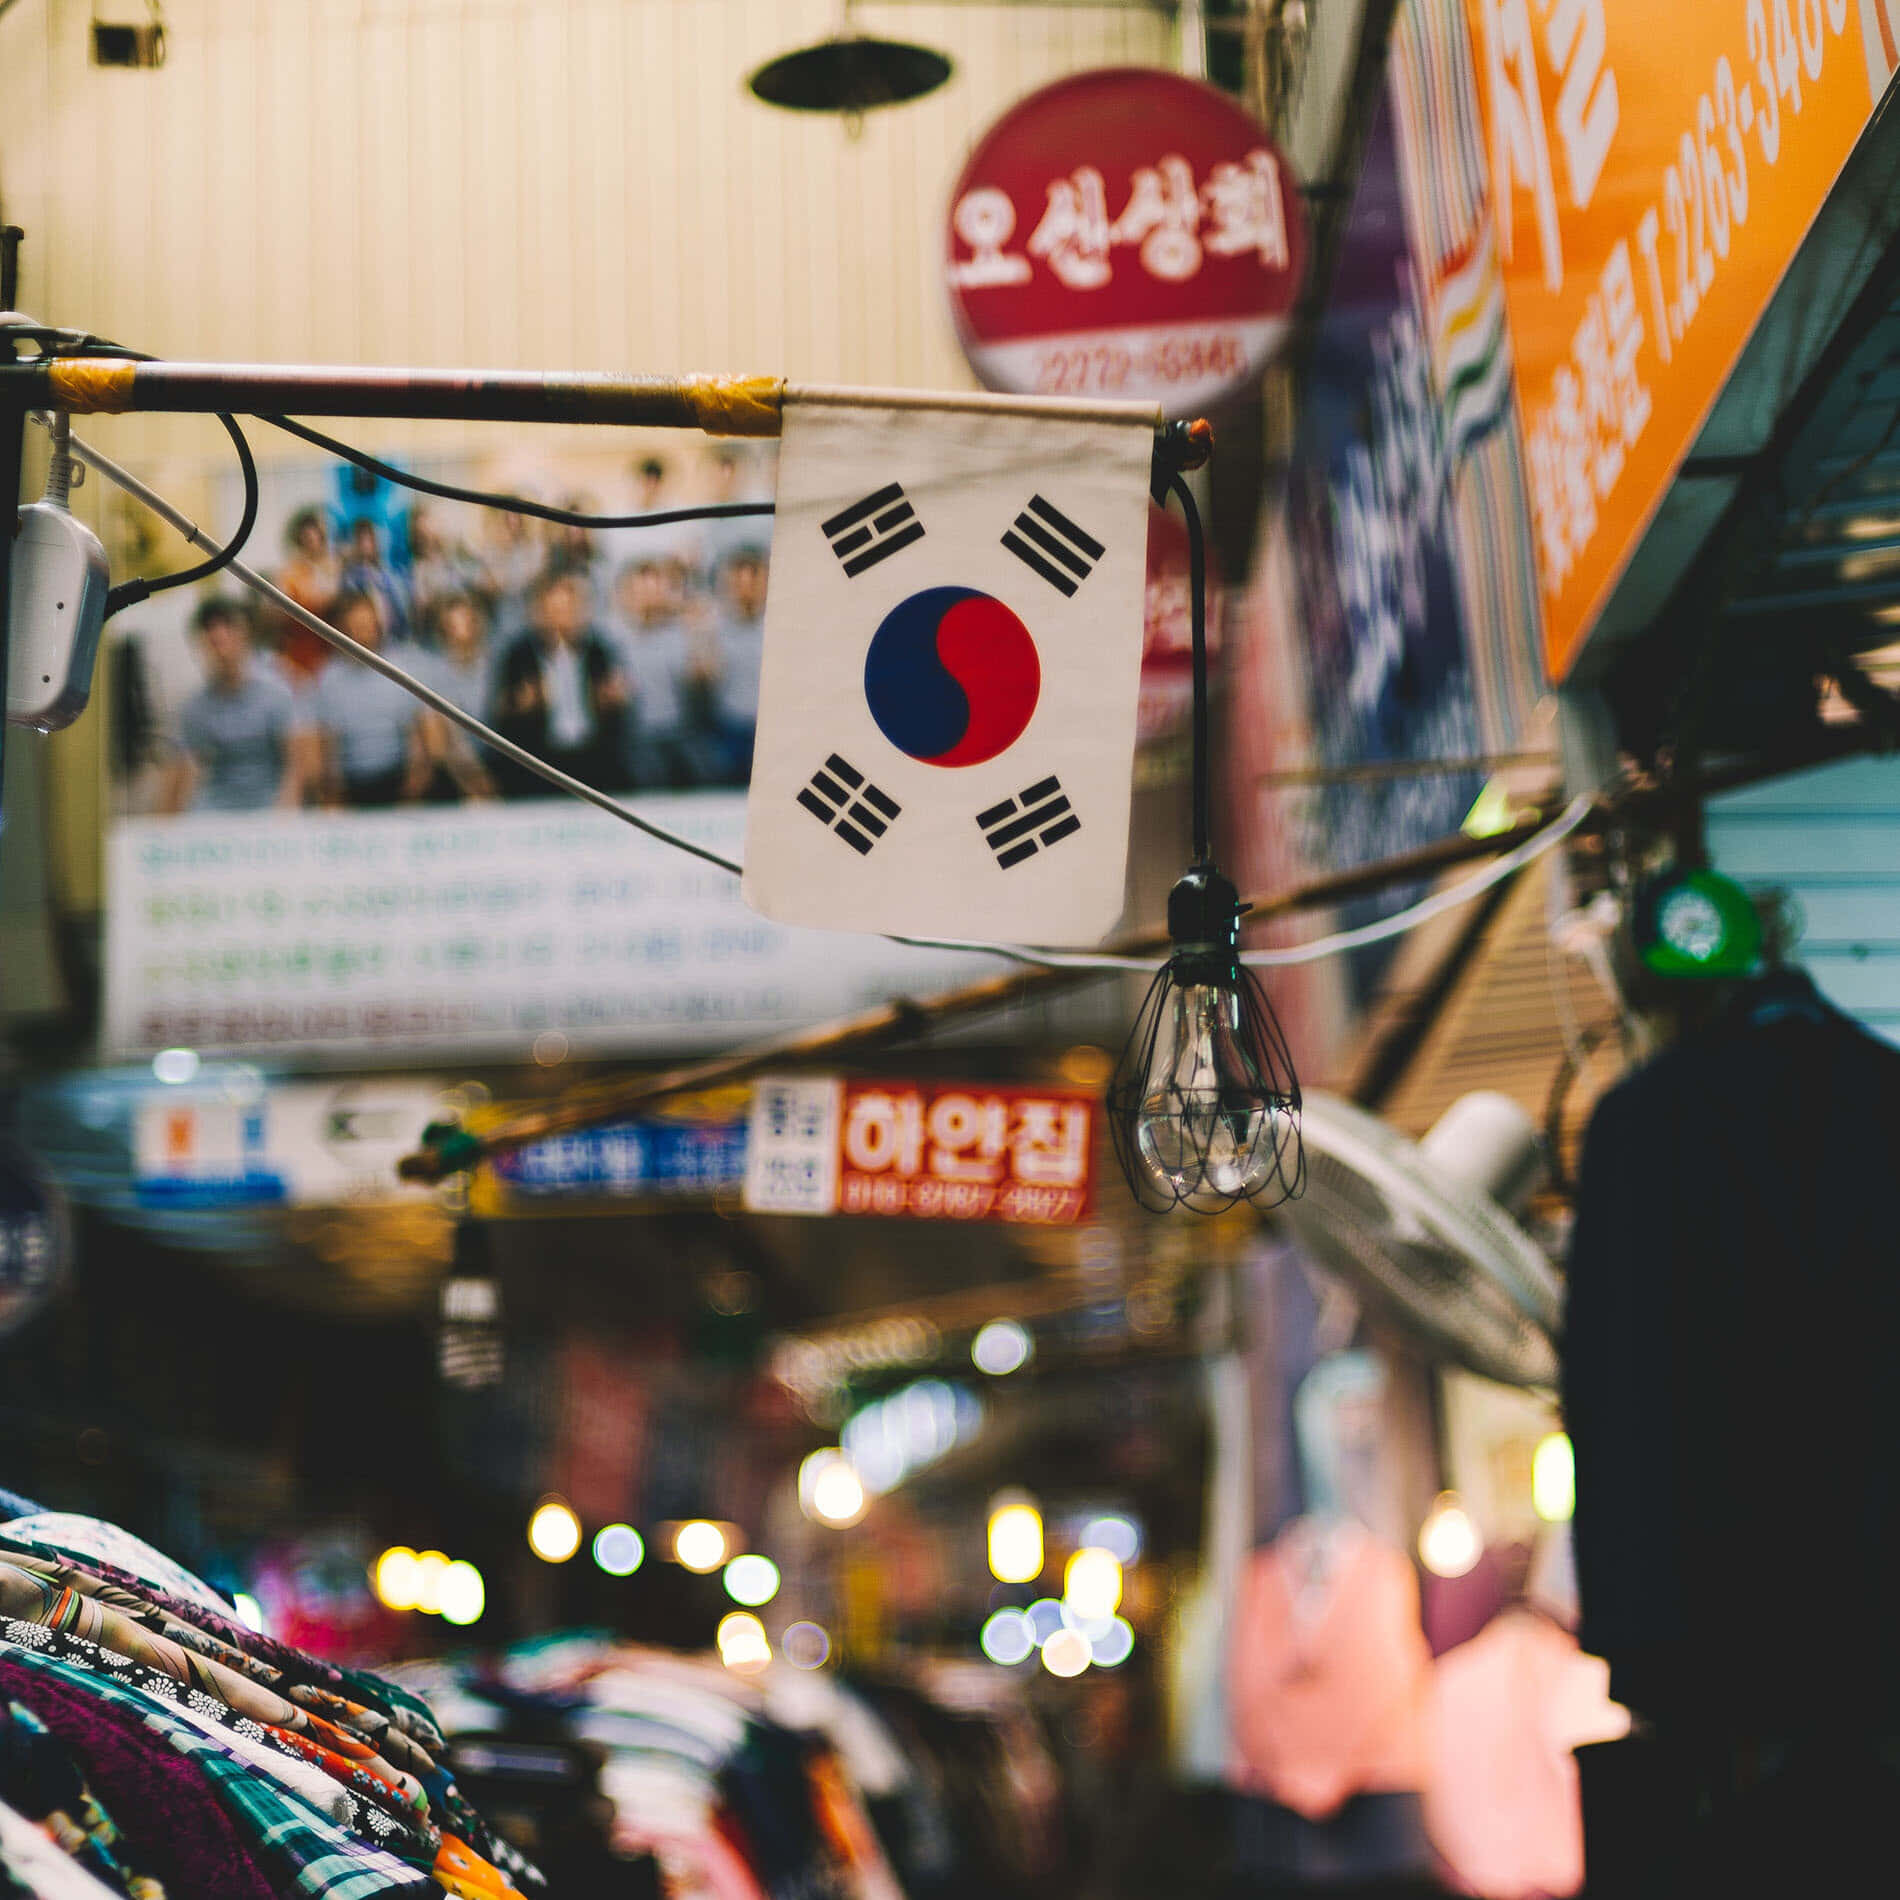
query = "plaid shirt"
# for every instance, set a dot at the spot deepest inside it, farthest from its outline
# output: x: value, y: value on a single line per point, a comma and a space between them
x: 321, y: 1860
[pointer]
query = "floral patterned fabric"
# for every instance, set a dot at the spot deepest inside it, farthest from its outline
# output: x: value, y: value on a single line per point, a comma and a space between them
x: 131, y: 1603
x: 188, y: 1622
x: 352, y: 1773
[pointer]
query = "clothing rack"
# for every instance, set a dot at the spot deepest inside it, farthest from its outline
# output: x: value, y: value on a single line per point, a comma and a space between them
x: 164, y: 1750
x: 767, y: 1784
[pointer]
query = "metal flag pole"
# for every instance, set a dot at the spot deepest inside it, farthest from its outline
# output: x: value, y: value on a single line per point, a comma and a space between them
x: 13, y: 414
x: 717, y: 405
x: 12, y: 446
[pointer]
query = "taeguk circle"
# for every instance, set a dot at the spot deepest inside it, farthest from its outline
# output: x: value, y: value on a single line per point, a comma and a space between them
x: 952, y: 677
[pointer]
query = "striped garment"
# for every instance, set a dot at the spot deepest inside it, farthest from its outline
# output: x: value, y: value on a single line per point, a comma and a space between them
x: 36, y: 1599
x: 216, y: 1633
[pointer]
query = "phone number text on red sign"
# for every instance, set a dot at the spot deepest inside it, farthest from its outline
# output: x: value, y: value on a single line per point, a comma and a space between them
x: 952, y: 1154
x: 1107, y: 368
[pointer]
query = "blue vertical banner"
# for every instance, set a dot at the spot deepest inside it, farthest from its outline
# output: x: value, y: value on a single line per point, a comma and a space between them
x: 1369, y: 518
x: 1406, y: 524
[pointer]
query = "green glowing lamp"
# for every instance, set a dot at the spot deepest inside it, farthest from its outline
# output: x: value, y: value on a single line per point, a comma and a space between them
x: 1697, y: 924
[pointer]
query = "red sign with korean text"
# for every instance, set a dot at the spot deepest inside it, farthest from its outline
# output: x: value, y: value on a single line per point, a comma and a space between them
x: 1126, y: 233
x: 936, y: 1151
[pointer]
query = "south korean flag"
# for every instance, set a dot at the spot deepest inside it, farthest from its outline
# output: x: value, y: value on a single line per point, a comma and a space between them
x: 953, y: 637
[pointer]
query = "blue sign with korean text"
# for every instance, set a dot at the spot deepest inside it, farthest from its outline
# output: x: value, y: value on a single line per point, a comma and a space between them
x: 630, y: 1158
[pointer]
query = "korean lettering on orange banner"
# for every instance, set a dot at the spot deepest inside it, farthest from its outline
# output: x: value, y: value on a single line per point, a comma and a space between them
x: 947, y: 1153
x: 1652, y: 173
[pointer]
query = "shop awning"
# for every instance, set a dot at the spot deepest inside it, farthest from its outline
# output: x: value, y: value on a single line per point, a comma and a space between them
x: 1777, y: 545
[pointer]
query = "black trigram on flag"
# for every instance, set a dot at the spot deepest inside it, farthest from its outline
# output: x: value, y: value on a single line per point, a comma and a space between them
x: 1044, y: 538
x: 872, y: 530
x: 842, y: 799
x: 1038, y: 816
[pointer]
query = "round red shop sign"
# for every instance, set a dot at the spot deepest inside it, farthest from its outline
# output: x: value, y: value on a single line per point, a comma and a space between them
x: 1126, y: 233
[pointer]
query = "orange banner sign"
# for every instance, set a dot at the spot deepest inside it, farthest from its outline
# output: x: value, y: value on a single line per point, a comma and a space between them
x: 1653, y: 170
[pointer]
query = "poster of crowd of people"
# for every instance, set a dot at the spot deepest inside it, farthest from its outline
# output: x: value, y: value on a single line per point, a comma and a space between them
x: 627, y: 657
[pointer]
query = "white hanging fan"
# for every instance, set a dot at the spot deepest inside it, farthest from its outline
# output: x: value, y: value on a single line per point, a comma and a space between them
x: 1428, y: 1228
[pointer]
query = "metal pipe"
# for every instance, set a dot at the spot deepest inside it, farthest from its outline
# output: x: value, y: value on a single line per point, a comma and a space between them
x: 12, y: 450
x: 1380, y: 771
x: 1191, y: 24
x: 1333, y: 197
x: 718, y: 405
x: 11, y: 238
x: 113, y: 385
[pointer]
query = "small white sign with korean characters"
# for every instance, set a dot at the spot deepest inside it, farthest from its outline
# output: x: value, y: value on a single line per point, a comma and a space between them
x: 791, y: 1164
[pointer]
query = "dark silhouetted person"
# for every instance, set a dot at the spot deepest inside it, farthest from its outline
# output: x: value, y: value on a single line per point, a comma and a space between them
x: 559, y: 691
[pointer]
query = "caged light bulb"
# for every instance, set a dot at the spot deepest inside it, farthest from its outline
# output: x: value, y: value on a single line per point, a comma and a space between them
x: 1204, y: 1131
x: 1205, y: 1105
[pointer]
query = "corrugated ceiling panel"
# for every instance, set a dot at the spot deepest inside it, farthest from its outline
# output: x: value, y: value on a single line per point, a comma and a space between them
x: 1508, y: 1022
x: 1831, y: 839
x: 549, y: 183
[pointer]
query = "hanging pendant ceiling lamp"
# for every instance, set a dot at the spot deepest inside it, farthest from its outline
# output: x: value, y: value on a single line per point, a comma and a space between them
x: 850, y: 75
x: 1204, y: 1105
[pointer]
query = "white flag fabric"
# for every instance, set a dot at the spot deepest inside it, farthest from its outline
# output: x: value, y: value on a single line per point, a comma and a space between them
x: 953, y: 635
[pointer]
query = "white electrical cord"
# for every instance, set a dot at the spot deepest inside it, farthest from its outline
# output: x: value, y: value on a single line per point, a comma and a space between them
x: 1508, y: 865
x: 59, y: 466
x: 1512, y: 862
x: 1396, y: 925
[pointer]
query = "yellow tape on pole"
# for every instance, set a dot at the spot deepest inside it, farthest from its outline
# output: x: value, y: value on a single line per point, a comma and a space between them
x: 91, y: 385
x: 736, y: 405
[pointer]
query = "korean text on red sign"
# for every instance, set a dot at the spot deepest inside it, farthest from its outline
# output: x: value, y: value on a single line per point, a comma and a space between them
x: 921, y: 1150
x: 1124, y: 233
x: 965, y: 1153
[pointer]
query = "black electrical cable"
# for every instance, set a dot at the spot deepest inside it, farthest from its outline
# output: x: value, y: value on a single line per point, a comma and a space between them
x: 1197, y: 597
x: 514, y: 504
x: 130, y: 593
